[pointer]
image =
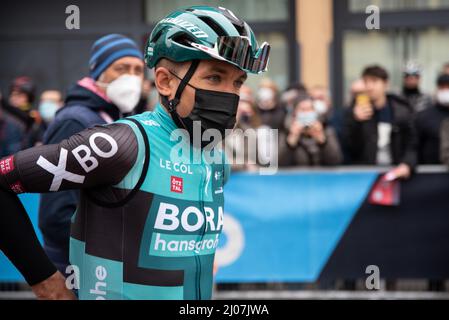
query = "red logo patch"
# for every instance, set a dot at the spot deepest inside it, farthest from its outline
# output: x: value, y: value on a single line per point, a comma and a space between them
x: 17, y: 187
x: 176, y: 184
x: 7, y: 165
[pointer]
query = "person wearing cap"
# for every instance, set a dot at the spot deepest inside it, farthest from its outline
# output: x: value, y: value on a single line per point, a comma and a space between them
x: 151, y: 206
x: 18, y: 108
x: 410, y: 87
x: 112, y: 88
x: 431, y: 126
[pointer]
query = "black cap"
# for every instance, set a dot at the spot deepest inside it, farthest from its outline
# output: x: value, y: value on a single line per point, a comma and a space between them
x: 443, y: 79
x: 24, y: 85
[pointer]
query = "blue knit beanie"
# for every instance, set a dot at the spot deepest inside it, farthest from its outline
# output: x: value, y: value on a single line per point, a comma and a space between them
x: 108, y: 49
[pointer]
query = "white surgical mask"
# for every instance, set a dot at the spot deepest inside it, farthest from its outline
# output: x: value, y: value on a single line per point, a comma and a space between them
x: 125, y: 92
x: 306, y: 118
x: 320, y: 106
x: 265, y: 94
x: 47, y: 110
x: 443, y: 97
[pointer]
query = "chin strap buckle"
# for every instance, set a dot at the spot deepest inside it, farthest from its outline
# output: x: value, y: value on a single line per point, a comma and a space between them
x: 172, y: 104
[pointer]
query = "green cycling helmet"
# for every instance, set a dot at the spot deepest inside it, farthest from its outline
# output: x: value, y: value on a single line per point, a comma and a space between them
x: 202, y: 32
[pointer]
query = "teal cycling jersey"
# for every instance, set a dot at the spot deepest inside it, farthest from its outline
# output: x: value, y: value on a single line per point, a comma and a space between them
x: 149, y: 217
x: 169, y: 231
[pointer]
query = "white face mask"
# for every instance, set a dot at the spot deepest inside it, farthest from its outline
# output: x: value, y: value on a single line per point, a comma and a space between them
x: 265, y: 94
x: 125, y: 92
x: 443, y: 97
x: 320, y: 106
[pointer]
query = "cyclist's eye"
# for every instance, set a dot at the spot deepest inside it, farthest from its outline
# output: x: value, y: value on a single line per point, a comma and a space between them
x: 215, y: 79
x: 238, y: 84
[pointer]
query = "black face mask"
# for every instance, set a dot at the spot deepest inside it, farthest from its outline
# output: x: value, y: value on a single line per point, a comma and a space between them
x: 214, y: 109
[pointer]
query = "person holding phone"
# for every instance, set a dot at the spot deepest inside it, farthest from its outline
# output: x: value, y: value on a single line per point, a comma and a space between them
x: 378, y: 128
x: 308, y: 142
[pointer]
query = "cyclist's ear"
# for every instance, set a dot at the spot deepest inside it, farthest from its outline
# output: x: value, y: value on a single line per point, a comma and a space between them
x: 166, y: 84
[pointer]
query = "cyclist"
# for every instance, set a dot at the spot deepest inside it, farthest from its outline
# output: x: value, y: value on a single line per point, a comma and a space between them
x: 150, y: 212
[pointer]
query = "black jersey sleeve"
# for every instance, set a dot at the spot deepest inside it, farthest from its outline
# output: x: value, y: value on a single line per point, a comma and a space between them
x: 19, y: 242
x: 98, y: 156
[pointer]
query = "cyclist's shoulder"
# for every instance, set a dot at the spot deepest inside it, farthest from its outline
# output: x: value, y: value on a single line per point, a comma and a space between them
x: 148, y: 119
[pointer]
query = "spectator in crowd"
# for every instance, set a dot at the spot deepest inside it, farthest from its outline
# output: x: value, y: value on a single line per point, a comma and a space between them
x: 378, y: 127
x: 322, y: 102
x: 18, y: 107
x: 241, y: 144
x: 112, y: 89
x: 50, y: 102
x: 445, y: 69
x: 429, y: 125
x: 290, y: 95
x: 11, y: 133
x: 309, y: 141
x: 410, y: 88
x: 268, y: 103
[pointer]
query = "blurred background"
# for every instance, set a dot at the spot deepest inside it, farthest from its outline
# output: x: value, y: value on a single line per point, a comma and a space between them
x: 324, y: 222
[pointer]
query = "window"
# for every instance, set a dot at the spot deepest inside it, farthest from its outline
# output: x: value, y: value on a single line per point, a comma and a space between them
x: 250, y: 10
x: 358, y: 6
x: 392, y: 49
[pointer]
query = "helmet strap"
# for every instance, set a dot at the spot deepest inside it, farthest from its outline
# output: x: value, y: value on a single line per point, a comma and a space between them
x: 173, y: 103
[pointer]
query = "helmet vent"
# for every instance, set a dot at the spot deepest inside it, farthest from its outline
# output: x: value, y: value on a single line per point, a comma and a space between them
x: 213, y: 25
x: 156, y: 36
x: 183, y: 39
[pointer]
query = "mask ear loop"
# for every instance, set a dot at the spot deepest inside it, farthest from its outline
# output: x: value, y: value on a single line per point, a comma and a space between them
x: 172, y: 104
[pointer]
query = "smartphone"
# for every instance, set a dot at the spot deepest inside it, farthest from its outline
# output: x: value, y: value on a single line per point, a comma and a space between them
x: 363, y: 100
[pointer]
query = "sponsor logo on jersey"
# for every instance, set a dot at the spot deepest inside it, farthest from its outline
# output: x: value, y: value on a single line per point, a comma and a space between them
x: 83, y: 155
x: 184, y: 231
x: 175, y: 166
x: 7, y: 165
x: 176, y: 184
x: 17, y: 187
x: 150, y: 123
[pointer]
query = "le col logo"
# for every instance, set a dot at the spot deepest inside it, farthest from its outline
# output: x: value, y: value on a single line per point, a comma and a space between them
x: 83, y: 155
x: 175, y: 166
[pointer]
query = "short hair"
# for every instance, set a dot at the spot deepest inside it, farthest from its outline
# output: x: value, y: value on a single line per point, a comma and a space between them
x: 301, y: 97
x: 375, y: 71
x: 169, y: 64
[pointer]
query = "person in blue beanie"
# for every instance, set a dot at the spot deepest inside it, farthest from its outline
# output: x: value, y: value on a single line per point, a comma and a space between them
x: 112, y: 88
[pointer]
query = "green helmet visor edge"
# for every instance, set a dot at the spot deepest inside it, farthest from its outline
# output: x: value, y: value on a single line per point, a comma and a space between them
x: 238, y: 51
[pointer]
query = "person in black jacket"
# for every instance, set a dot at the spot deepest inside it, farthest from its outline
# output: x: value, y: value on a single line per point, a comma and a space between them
x: 112, y: 89
x: 429, y: 124
x: 20, y: 244
x: 378, y: 127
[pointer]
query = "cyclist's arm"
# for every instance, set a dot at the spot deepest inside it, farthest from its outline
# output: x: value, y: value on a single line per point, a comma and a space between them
x: 97, y: 156
x: 19, y: 242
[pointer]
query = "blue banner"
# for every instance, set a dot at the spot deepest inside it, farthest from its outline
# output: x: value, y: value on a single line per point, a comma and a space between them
x: 284, y: 227
x: 8, y: 273
x: 303, y: 226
